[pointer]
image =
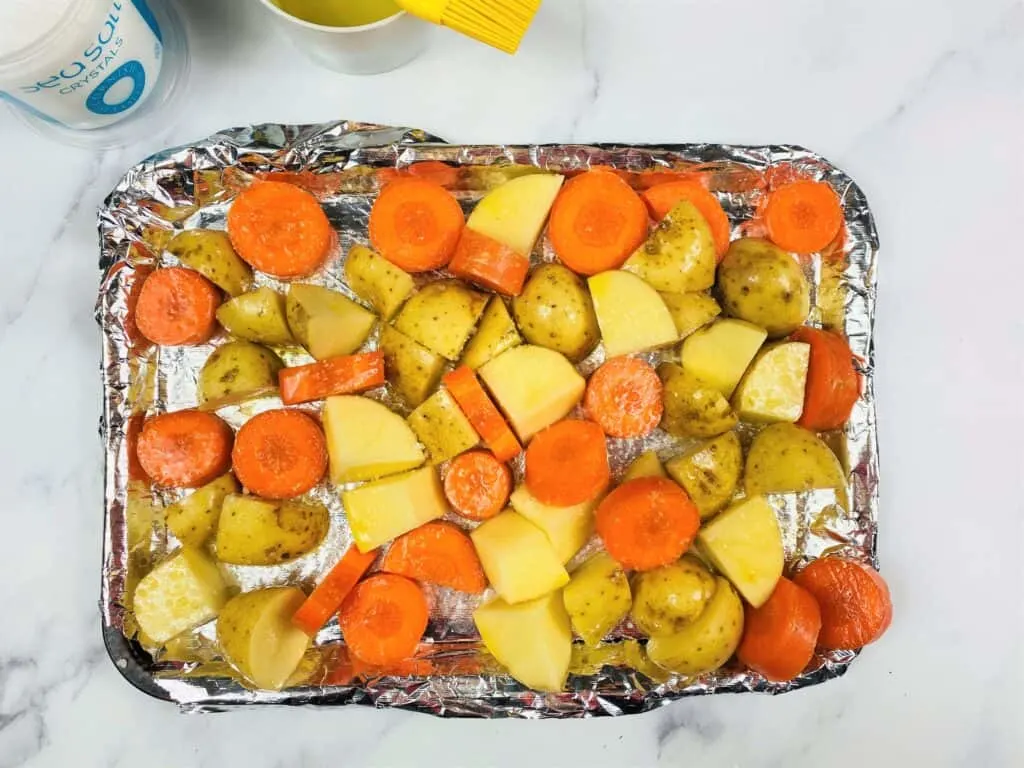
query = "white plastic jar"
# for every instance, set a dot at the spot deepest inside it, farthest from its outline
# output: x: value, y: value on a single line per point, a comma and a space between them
x: 79, y: 64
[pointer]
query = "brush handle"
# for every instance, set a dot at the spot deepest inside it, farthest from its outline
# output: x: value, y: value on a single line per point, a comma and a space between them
x: 428, y: 10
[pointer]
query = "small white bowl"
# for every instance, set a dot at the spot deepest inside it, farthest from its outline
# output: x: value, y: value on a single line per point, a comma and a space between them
x: 369, y: 49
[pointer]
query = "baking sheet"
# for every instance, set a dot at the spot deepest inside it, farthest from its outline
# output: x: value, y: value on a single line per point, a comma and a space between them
x: 189, y: 187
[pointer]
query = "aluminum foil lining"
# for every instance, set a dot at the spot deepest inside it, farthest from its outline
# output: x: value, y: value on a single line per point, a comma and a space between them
x: 190, y: 187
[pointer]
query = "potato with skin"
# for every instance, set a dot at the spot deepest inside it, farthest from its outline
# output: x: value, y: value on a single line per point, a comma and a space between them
x: 647, y: 464
x: 256, y: 635
x: 253, y: 531
x: 690, y: 311
x: 194, y: 519
x: 182, y: 592
x: 710, y: 472
x: 442, y: 427
x: 669, y: 598
x: 235, y: 372
x: 679, y: 255
x: 762, y: 284
x: 706, y: 643
x: 325, y: 322
x: 377, y: 281
x: 210, y: 253
x: 496, y: 333
x: 442, y: 317
x: 413, y: 371
x: 692, y: 407
x: 597, y: 597
x: 258, y: 316
x: 785, y: 458
x: 555, y: 311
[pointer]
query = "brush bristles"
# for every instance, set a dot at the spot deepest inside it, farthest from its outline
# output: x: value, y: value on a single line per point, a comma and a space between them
x: 498, y: 23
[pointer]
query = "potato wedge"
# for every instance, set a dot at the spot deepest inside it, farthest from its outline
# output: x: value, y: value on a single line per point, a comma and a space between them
x: 366, y: 441
x: 761, y: 283
x: 515, y: 212
x: 555, y: 311
x: 567, y: 528
x: 785, y: 458
x: 710, y: 472
x: 377, y: 281
x: 413, y: 371
x: 693, y: 408
x: 442, y: 316
x: 385, y: 509
x: 518, y: 558
x: 679, y: 255
x: 630, y: 313
x: 690, y: 311
x: 495, y: 334
x: 256, y: 635
x: 325, y: 322
x: 182, y: 592
x: 744, y: 544
x: 194, y: 519
x: 597, y: 597
x: 252, y: 531
x: 258, y: 316
x: 210, y: 253
x: 773, y: 387
x: 720, y: 353
x: 669, y: 598
x: 647, y: 464
x: 442, y: 427
x: 235, y: 372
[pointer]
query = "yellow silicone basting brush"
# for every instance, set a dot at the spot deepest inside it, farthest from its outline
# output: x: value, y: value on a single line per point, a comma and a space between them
x: 499, y: 23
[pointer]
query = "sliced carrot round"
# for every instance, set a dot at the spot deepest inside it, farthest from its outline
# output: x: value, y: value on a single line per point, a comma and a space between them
x: 384, y: 619
x: 477, y: 485
x: 416, y: 224
x: 624, y: 397
x: 780, y: 636
x: 280, y: 454
x: 280, y: 229
x: 437, y: 553
x: 804, y: 216
x: 647, y: 523
x: 567, y: 463
x: 856, y: 608
x: 661, y: 199
x: 184, y: 449
x: 597, y: 222
x: 833, y: 384
x: 177, y: 306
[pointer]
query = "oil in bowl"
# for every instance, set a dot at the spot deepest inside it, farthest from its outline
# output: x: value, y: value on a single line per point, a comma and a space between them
x: 339, y: 13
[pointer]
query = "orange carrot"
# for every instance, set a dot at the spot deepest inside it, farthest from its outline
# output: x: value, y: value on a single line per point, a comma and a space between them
x: 332, y: 591
x: 779, y: 637
x: 280, y: 229
x: 433, y: 171
x: 647, y: 522
x: 384, y: 618
x: 415, y: 224
x: 483, y: 260
x: 567, y: 463
x: 804, y: 216
x: 437, y: 553
x: 184, y: 449
x: 833, y: 384
x: 624, y: 397
x: 662, y: 198
x: 132, y: 430
x: 280, y: 454
x: 334, y: 376
x: 856, y: 608
x: 177, y: 306
x: 597, y: 222
x: 482, y: 413
x: 477, y: 485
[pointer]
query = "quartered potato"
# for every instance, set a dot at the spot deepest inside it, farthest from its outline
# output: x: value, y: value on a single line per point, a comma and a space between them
x: 365, y: 440
x: 256, y: 316
x: 385, y: 509
x: 194, y: 519
x: 690, y: 311
x: 252, y: 531
x: 597, y: 597
x: 786, y: 458
x: 495, y: 334
x: 667, y: 599
x: 720, y: 353
x: 377, y: 281
x: 210, y: 253
x: 773, y: 387
x: 519, y: 560
x: 181, y: 593
x: 692, y: 407
x: 413, y: 371
x: 761, y: 283
x: 647, y: 464
x: 630, y: 313
x: 710, y: 472
x: 567, y: 528
x: 515, y: 212
x: 679, y: 255
x: 237, y: 371
x: 555, y: 311
x: 325, y: 322
x: 442, y: 427
x: 442, y: 316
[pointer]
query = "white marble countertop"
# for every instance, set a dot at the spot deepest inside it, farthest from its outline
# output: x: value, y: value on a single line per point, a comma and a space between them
x: 922, y: 102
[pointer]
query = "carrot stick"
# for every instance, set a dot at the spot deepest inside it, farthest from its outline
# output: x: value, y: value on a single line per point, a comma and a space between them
x: 280, y: 454
x: 804, y: 216
x: 597, y: 222
x: 383, y: 619
x: 280, y: 229
x: 486, y: 262
x: 335, y: 376
x: 779, y: 637
x: 433, y: 171
x: 415, y: 224
x: 330, y: 593
x: 647, y: 522
x: 856, y: 608
x: 184, y: 449
x: 624, y: 397
x: 437, y: 553
x: 833, y: 384
x: 663, y: 198
x: 477, y: 485
x: 482, y: 413
x: 177, y: 306
x: 567, y: 463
